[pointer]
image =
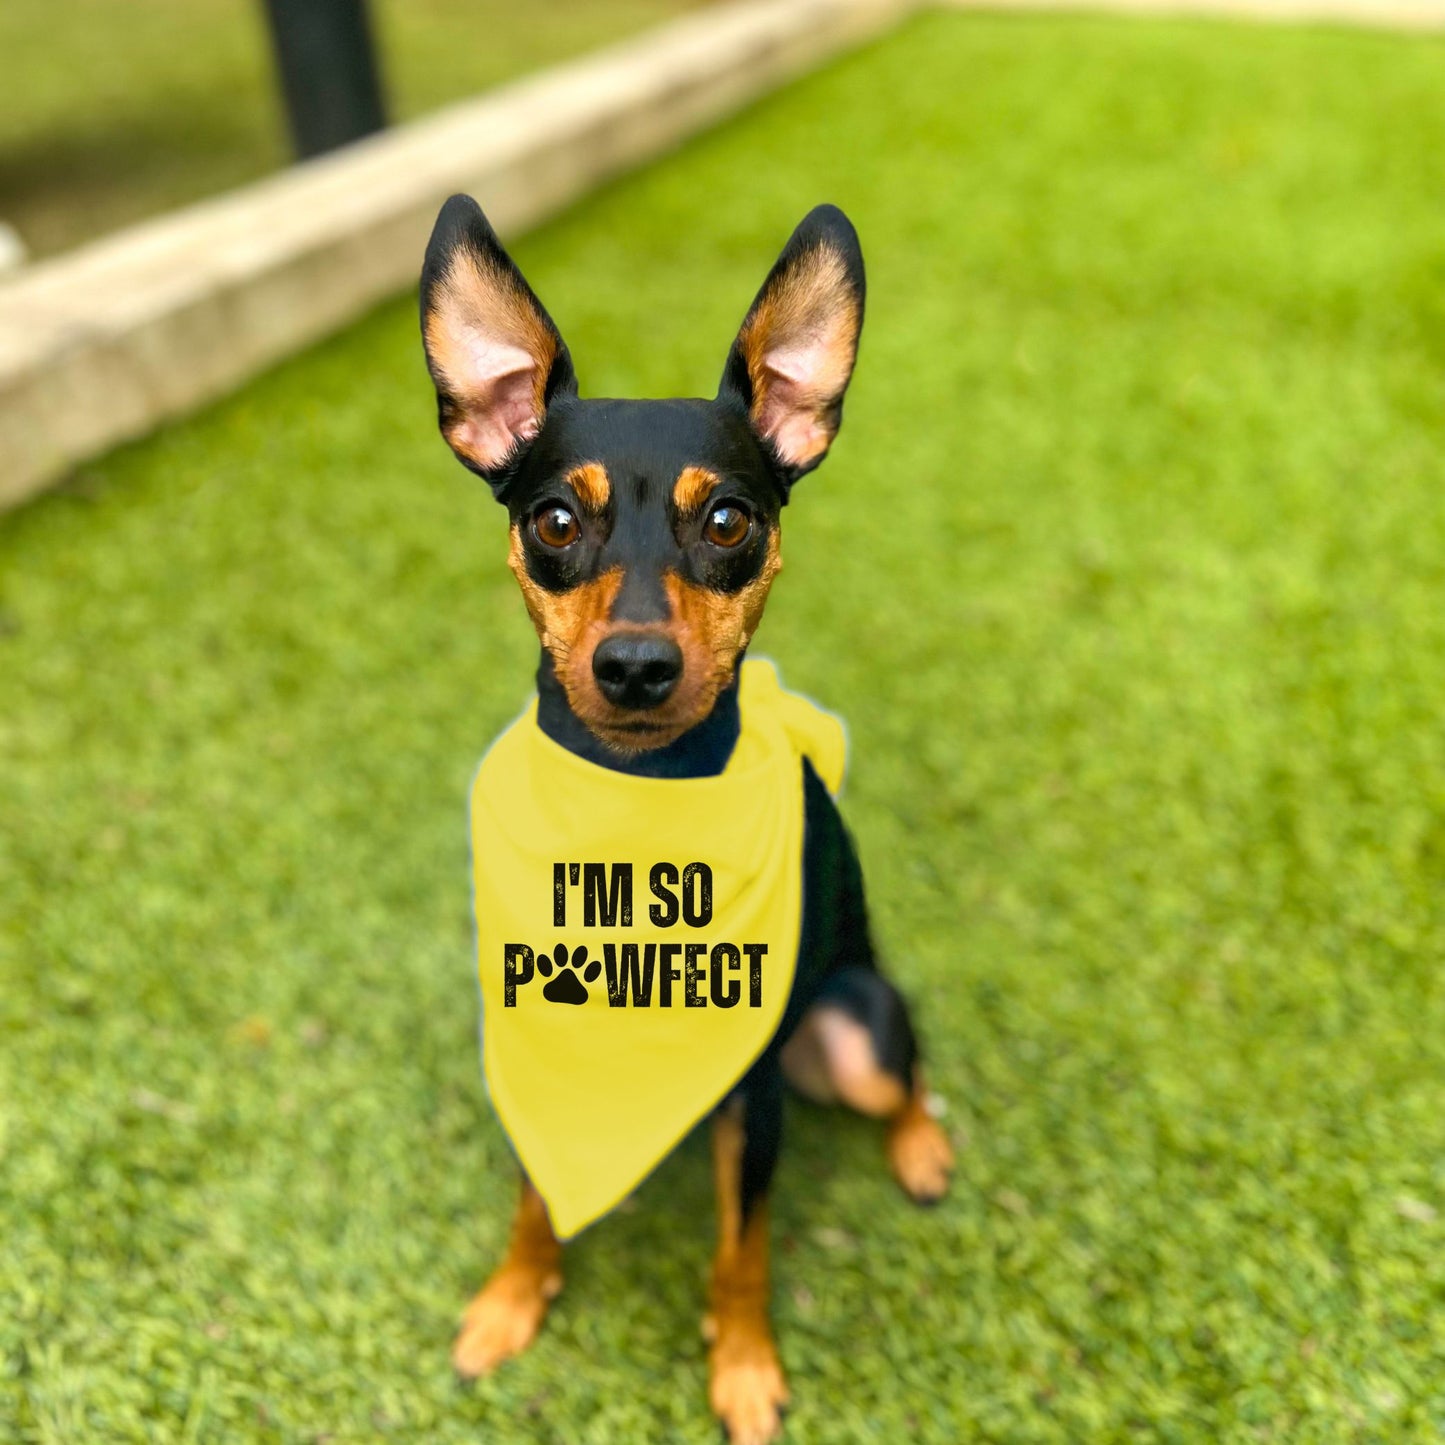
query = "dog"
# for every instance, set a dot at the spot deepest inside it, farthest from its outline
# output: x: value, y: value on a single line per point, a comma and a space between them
x: 644, y: 536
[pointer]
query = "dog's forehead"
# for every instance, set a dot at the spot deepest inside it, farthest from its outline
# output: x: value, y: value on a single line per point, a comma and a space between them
x: 644, y: 446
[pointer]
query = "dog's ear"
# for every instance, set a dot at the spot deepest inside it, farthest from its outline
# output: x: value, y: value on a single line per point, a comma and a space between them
x: 791, y: 362
x: 493, y: 352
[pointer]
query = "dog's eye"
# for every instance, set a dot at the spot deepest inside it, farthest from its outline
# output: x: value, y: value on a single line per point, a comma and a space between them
x: 556, y: 527
x: 727, y: 526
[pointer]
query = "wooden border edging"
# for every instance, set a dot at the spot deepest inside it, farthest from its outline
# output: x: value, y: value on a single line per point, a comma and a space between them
x: 100, y: 345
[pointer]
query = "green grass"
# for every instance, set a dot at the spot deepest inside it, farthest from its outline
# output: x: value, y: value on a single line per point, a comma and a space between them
x: 1128, y: 572
x: 112, y: 110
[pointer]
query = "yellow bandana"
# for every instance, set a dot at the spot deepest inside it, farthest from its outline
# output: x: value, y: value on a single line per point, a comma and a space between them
x: 637, y: 939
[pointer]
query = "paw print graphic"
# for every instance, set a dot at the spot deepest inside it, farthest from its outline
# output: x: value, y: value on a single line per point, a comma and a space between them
x: 567, y: 987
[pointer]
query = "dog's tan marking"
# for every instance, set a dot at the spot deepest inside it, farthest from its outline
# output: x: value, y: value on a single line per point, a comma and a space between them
x: 799, y: 343
x: 491, y: 353
x: 711, y: 627
x: 746, y: 1385
x: 592, y: 485
x: 569, y: 623
x: 830, y: 1060
x: 694, y: 485
x: 505, y: 1317
x: 919, y: 1153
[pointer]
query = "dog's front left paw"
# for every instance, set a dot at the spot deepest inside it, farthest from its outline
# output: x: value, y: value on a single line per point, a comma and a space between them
x: 503, y: 1319
x: 747, y: 1389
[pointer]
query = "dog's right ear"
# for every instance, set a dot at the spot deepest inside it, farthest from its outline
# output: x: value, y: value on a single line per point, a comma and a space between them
x: 493, y: 352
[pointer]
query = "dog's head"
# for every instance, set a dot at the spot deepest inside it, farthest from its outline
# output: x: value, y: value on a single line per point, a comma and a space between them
x: 644, y: 534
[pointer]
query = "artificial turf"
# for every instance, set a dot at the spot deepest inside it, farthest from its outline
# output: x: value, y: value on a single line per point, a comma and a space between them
x: 1128, y: 572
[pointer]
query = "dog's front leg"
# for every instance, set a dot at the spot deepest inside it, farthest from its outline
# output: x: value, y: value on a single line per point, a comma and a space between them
x: 746, y: 1378
x: 505, y: 1317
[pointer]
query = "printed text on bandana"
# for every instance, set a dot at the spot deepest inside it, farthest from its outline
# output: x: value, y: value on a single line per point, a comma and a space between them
x: 690, y: 973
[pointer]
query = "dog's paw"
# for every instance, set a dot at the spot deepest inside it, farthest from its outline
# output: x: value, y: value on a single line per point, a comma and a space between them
x: 920, y: 1155
x: 746, y: 1387
x: 503, y: 1319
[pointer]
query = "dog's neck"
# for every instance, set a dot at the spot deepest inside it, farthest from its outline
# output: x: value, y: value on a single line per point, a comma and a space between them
x: 701, y: 752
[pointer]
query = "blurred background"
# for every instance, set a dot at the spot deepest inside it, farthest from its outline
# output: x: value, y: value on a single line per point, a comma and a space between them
x: 1127, y: 572
x: 111, y: 112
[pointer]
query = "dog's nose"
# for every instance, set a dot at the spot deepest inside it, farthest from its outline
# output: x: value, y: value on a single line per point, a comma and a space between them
x: 637, y: 670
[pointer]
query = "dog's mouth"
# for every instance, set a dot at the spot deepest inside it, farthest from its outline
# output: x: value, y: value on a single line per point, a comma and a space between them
x: 638, y: 686
x: 630, y: 733
x: 633, y: 729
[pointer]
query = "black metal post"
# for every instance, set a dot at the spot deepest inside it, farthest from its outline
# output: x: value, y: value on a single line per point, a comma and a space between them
x: 328, y: 70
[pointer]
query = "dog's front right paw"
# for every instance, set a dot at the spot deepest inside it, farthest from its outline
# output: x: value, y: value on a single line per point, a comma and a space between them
x: 503, y: 1319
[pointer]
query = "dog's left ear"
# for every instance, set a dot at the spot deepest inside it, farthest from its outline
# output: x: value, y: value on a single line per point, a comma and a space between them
x: 496, y: 358
x: 792, y: 360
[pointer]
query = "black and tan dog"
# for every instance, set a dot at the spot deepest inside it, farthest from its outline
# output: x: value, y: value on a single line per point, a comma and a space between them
x: 645, y: 537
